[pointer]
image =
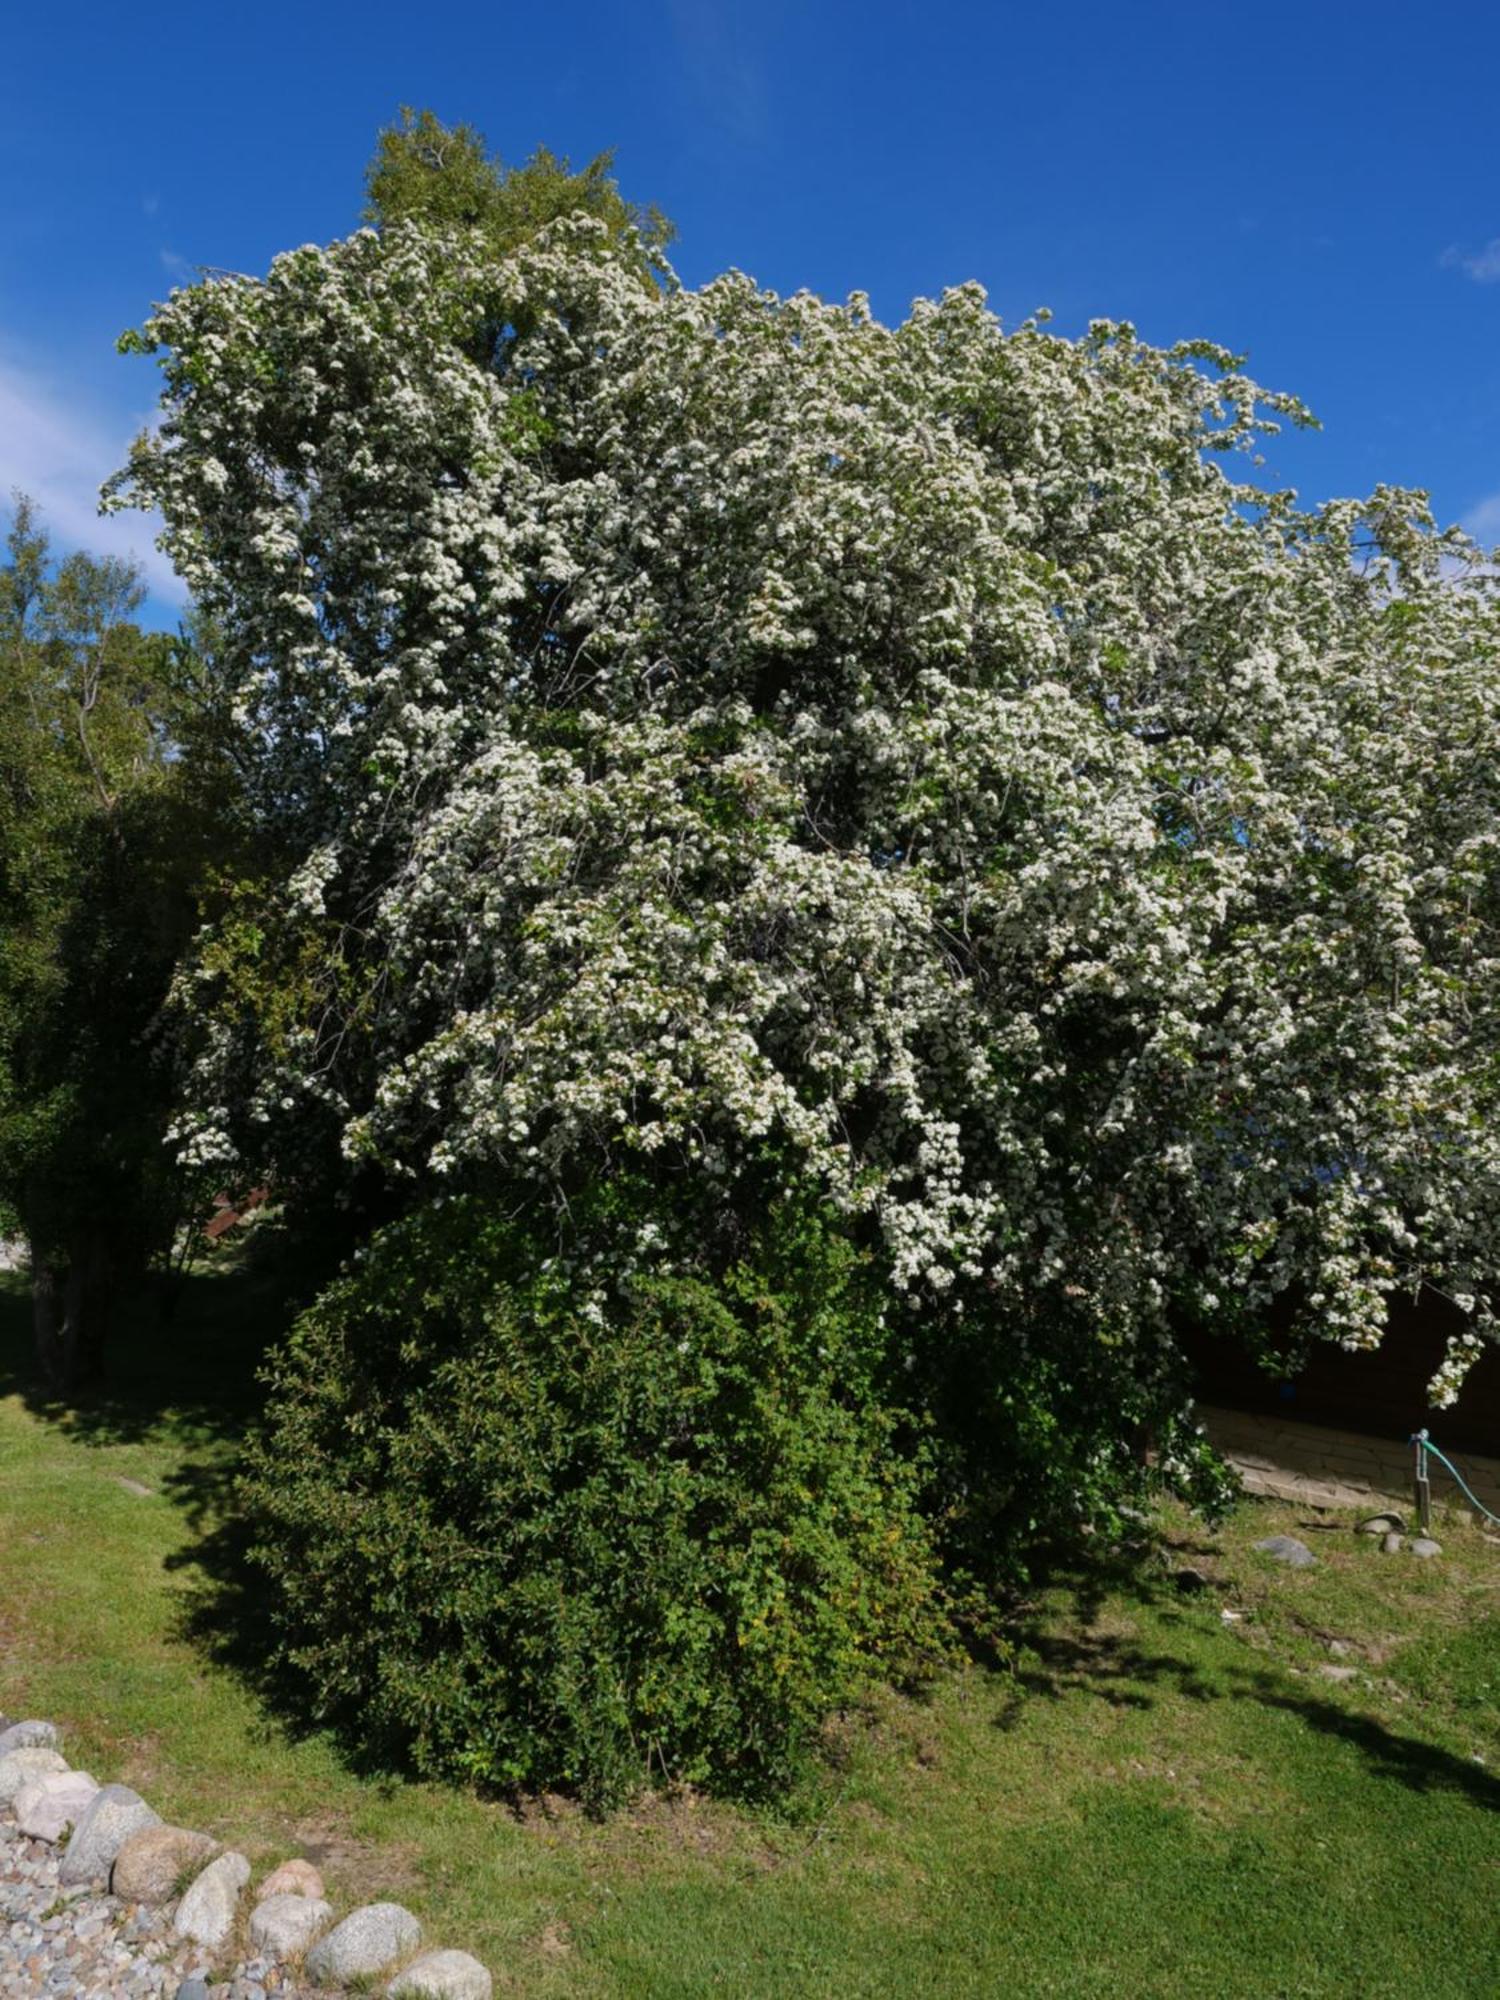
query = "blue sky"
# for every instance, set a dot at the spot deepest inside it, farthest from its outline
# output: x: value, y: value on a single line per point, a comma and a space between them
x: 1314, y: 183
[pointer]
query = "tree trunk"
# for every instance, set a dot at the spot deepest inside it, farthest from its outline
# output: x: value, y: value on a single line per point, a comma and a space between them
x: 68, y: 1304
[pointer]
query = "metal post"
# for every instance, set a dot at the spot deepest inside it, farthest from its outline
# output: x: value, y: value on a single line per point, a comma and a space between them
x: 1421, y: 1482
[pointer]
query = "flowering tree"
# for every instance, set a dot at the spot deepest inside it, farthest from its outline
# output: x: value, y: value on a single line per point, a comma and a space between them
x: 725, y: 737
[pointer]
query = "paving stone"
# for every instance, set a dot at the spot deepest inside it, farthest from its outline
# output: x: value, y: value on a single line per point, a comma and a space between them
x: 284, y: 1926
x: 151, y: 1864
x: 47, y: 1807
x: 112, y: 1815
x: 293, y: 1878
x: 28, y: 1736
x: 442, y: 1975
x: 369, y: 1941
x: 207, y: 1911
x: 23, y: 1767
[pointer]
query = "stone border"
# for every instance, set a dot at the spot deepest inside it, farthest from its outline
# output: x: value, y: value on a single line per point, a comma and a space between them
x: 179, y: 1889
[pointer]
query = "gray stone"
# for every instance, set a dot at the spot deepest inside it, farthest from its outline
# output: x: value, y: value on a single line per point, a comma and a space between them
x: 195, y: 1988
x: 1287, y: 1549
x: 151, y: 1864
x: 442, y: 1975
x: 1340, y: 1648
x: 293, y: 1878
x: 1390, y: 1523
x: 1425, y: 1546
x: 109, y: 1819
x: 283, y: 1926
x: 28, y: 1736
x: 23, y: 1767
x: 1332, y: 1673
x: 206, y: 1913
x: 47, y: 1807
x: 1392, y: 1545
x: 368, y: 1941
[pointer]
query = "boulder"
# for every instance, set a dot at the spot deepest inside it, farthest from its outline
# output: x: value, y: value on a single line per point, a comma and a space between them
x: 27, y: 1736
x: 369, y: 1941
x: 207, y: 1910
x: 442, y: 1975
x: 109, y: 1819
x: 1287, y: 1549
x: 283, y: 1926
x: 152, y: 1863
x: 293, y: 1878
x: 48, y: 1806
x: 1389, y: 1523
x: 23, y: 1767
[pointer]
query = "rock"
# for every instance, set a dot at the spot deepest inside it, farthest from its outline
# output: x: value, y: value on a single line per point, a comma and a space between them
x: 1425, y: 1546
x: 134, y: 1486
x: 152, y: 1863
x: 1383, y: 1524
x: 28, y: 1736
x: 442, y: 1975
x: 368, y: 1941
x: 1228, y: 1617
x: 1340, y: 1648
x: 293, y: 1878
x: 23, y: 1767
x: 48, y: 1806
x: 1331, y: 1673
x: 193, y: 1989
x: 109, y: 1819
x: 284, y: 1925
x: 1287, y: 1549
x: 1189, y: 1581
x: 1392, y: 1544
x: 206, y: 1913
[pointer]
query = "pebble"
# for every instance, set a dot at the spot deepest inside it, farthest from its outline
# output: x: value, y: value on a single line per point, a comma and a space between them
x: 60, y: 1944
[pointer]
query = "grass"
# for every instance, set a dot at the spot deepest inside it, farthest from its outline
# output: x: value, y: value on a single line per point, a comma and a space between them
x: 1150, y: 1802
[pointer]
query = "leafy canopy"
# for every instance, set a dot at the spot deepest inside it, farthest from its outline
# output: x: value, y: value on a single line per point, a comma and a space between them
x: 717, y: 730
x: 425, y: 171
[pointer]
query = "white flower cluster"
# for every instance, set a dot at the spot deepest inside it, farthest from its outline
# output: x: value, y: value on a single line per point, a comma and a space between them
x: 706, y: 723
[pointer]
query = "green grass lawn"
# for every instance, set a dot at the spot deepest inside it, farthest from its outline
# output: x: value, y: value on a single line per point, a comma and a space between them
x: 1151, y: 1802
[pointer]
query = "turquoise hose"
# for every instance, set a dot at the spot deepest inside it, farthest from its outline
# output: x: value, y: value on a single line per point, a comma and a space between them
x: 1422, y: 1439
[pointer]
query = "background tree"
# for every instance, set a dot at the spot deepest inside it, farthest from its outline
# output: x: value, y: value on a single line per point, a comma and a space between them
x: 101, y: 840
x: 425, y: 171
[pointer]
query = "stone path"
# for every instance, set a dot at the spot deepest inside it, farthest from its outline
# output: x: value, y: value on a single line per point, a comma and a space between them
x: 72, y: 1944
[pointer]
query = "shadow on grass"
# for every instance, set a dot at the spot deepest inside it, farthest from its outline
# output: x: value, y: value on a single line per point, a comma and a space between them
x: 178, y: 1367
x: 1114, y: 1668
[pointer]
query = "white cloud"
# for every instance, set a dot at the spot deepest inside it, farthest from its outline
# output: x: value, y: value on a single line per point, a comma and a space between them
x: 60, y: 456
x: 1483, y: 266
x: 1483, y: 522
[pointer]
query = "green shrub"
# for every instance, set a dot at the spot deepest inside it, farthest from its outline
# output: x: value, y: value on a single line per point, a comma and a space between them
x: 527, y: 1537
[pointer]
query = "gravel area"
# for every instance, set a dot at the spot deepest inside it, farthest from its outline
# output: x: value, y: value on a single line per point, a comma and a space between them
x: 62, y: 1944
